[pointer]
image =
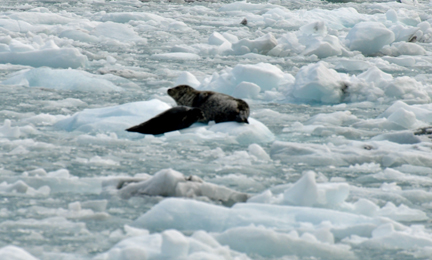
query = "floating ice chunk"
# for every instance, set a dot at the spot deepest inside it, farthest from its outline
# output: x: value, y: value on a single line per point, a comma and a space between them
x: 376, y: 76
x: 257, y: 151
x: 17, y: 46
x: 179, y: 56
x: 391, y: 15
x: 392, y: 175
x: 385, y: 153
x: 424, y: 252
x: 402, y: 213
x: 57, y: 225
x: 79, y: 35
x: 41, y: 18
x: 403, y: 48
x: 386, y: 236
x: 254, y: 132
x: 266, y: 76
x: 383, y: 230
x: 426, y: 29
x: 269, y: 243
x: 317, y: 83
x: 325, y: 47
x: 191, y: 215
x: 422, y: 112
x: 408, y: 117
x: 187, y: 78
x: 304, y: 192
x: 98, y: 161
x: 131, y: 16
x: 163, y: 183
x: 74, y: 211
x: 333, y: 119
x: 19, y: 150
x: 408, y: 17
x: 371, y: 85
x: 216, y: 39
x: 120, y: 32
x: 402, y: 137
x: 246, y: 90
x: 22, y: 188
x: 171, y: 183
x: 170, y: 244
x: 332, y: 194
x: 317, y: 28
x: 264, y: 197
x: 15, y: 253
x: 61, y: 79
x: 261, y: 45
x: 55, y: 58
x: 365, y: 207
x: 37, y: 172
x: 287, y: 151
x: 288, y: 43
x: 178, y: 26
x: 369, y: 37
x: 115, y: 118
x: 405, y: 61
x: 352, y: 65
x: 19, y: 186
x: 17, y: 25
x: 404, y: 118
x: 96, y: 205
x: 6, y: 130
x: 4, y: 47
x: 316, y: 41
x: 62, y: 173
x: 406, y: 33
x: 230, y: 37
x: 174, y: 244
x: 244, y: 6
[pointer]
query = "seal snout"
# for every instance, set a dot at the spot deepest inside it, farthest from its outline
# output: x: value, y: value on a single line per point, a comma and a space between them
x: 170, y: 91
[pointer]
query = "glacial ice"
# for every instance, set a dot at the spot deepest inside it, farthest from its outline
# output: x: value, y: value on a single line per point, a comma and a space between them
x: 335, y: 163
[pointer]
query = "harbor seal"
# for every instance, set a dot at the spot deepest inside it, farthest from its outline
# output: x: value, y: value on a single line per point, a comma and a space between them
x: 175, y: 118
x: 215, y: 106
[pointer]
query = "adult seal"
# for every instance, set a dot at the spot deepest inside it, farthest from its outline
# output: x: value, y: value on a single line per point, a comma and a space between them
x: 175, y: 118
x: 215, y: 106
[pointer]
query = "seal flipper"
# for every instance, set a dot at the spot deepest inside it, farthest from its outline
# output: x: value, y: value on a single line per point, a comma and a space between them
x: 175, y: 118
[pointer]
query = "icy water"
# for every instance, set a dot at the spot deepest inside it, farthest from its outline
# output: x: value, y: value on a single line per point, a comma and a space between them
x: 330, y: 161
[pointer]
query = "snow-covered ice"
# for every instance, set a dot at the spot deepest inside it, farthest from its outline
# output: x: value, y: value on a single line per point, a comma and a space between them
x: 335, y: 162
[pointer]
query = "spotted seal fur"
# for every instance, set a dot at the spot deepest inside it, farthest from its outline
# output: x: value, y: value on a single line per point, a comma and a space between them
x: 215, y: 106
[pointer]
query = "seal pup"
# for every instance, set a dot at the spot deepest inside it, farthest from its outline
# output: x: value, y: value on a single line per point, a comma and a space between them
x: 175, y: 118
x: 215, y: 106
